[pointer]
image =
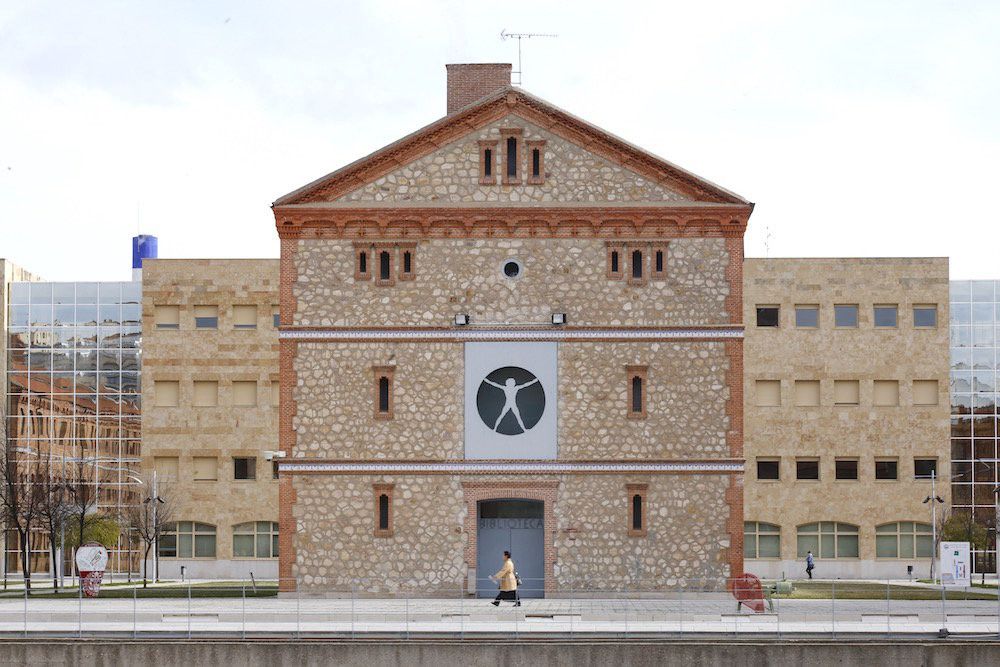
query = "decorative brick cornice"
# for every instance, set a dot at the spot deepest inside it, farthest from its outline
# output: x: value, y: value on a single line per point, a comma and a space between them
x: 503, y: 221
x: 464, y: 334
x: 465, y: 467
x: 532, y: 109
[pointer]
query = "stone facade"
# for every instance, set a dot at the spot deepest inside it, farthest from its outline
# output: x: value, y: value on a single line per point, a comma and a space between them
x: 174, y: 436
x: 464, y: 276
x: 864, y: 432
x: 572, y: 174
x: 374, y: 376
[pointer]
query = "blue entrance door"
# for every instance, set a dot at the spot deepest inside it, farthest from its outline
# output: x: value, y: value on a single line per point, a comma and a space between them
x: 517, y: 526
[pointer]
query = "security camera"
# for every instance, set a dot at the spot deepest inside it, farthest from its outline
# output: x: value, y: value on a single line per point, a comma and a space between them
x: 270, y: 456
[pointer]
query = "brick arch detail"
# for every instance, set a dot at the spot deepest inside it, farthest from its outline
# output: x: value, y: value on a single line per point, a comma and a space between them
x: 545, y: 491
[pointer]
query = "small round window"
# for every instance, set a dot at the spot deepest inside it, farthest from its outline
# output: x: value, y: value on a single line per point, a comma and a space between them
x: 512, y: 268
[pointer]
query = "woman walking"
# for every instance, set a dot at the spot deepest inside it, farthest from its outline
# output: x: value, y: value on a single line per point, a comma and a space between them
x: 508, y: 582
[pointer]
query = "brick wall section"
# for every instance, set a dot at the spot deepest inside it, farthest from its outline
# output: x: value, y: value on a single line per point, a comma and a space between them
x: 288, y: 349
x: 734, y: 405
x: 470, y: 82
x: 734, y: 498
x: 545, y: 491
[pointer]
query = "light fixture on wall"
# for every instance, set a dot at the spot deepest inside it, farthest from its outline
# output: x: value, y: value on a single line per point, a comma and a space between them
x: 461, y: 320
x: 558, y: 318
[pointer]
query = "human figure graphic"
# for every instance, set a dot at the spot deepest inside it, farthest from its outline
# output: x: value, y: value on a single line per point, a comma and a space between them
x: 510, y: 389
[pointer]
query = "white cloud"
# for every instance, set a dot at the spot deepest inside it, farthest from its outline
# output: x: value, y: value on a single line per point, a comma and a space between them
x: 858, y: 128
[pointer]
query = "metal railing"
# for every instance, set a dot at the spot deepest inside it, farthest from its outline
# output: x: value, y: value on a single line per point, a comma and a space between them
x: 399, y: 610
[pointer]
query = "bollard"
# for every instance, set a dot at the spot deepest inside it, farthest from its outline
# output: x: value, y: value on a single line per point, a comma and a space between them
x: 79, y: 616
x: 25, y: 610
x: 298, y: 613
x: 135, y: 604
x: 833, y: 611
x: 189, y: 610
x: 888, y: 613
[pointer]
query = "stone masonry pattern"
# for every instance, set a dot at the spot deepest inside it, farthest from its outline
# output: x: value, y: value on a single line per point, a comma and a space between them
x: 572, y: 174
x: 464, y: 276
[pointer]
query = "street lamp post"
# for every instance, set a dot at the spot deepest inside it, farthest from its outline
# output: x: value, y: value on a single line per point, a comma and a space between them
x: 933, y: 499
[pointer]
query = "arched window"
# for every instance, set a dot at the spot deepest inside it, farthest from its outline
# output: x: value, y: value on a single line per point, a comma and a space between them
x: 255, y: 539
x: 636, y: 393
x: 187, y: 539
x: 636, y: 512
x: 827, y: 539
x: 761, y: 540
x: 637, y: 265
x: 488, y: 163
x: 384, y: 265
x: 615, y: 262
x: 383, y: 394
x: 905, y: 539
x: 383, y: 511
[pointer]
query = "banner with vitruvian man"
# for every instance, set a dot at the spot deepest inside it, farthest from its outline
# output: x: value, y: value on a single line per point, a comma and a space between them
x: 510, y: 400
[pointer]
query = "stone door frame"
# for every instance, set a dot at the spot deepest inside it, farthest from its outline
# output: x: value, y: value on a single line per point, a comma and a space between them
x: 544, y: 491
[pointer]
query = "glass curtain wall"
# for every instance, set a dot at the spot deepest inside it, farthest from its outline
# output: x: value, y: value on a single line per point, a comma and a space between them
x: 73, y: 410
x: 975, y: 333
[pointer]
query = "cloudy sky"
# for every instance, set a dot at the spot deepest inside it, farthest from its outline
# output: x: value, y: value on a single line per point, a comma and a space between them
x: 858, y: 128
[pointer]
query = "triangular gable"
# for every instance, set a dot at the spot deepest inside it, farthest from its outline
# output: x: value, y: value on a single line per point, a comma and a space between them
x: 377, y: 177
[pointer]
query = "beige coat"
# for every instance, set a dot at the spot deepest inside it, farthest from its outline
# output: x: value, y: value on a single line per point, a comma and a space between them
x: 508, y: 582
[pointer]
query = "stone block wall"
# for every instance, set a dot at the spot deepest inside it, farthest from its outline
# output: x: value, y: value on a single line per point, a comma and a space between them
x: 464, y: 276
x: 687, y: 544
x: 451, y: 174
x: 687, y: 399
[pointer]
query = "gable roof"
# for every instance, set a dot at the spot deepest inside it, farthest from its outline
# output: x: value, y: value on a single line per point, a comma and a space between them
x: 508, y: 100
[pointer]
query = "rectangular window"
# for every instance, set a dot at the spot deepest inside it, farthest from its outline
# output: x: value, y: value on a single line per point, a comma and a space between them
x: 807, y: 317
x: 383, y: 509
x: 166, y: 467
x: 768, y: 393
x: 244, y: 317
x: 845, y: 316
x: 925, y: 316
x: 167, y: 317
x: 510, y: 138
x: 806, y: 393
x: 807, y: 469
x: 274, y: 469
x: 615, y: 261
x: 925, y: 392
x: 637, y: 514
x: 276, y: 316
x: 206, y: 394
x: 384, y: 265
x: 886, y: 317
x: 924, y: 468
x: 847, y: 469
x: 846, y: 392
x: 383, y: 391
x: 637, y: 266
x: 206, y: 317
x: 767, y: 316
x: 166, y: 393
x: 886, y: 469
x: 206, y: 468
x: 487, y: 158
x: 245, y: 393
x: 637, y: 390
x: 768, y: 469
x: 536, y: 154
x: 886, y: 393
x: 658, y: 271
x: 407, y: 257
x: 362, y: 261
x: 244, y: 467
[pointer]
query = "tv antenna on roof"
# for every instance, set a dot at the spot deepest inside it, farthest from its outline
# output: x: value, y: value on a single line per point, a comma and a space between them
x: 504, y: 35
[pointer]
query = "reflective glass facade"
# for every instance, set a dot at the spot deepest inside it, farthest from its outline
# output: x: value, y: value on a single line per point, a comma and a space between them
x: 73, y: 393
x: 975, y: 372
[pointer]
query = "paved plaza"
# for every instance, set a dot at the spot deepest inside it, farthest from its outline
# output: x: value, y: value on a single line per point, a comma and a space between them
x: 709, y: 614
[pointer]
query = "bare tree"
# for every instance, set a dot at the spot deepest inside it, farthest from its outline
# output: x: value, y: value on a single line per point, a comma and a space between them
x: 81, y: 501
x: 22, y: 499
x: 55, y: 509
x: 146, y: 522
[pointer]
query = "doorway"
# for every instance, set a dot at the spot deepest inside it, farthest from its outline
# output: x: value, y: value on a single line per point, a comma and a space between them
x: 517, y: 526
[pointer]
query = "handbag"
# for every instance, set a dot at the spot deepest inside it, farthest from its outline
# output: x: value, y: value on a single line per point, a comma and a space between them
x: 517, y: 577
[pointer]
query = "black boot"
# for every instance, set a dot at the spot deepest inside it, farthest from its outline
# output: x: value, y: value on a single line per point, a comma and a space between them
x: 495, y: 603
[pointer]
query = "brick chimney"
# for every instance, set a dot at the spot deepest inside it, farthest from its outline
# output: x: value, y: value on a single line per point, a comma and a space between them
x: 468, y: 83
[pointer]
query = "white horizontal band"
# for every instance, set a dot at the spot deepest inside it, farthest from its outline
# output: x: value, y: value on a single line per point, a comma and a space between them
x: 463, y: 334
x: 506, y: 468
